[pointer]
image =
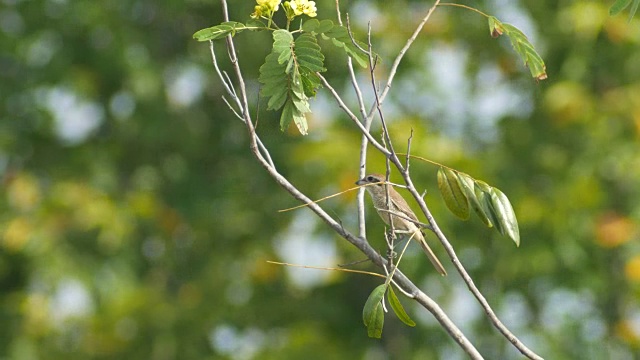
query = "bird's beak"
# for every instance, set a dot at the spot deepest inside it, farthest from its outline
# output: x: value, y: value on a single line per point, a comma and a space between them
x: 361, y: 182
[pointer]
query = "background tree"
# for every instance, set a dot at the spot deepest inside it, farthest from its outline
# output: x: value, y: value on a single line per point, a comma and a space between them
x: 127, y: 230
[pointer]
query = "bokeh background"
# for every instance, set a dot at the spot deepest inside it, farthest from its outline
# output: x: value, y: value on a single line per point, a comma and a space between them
x: 134, y: 223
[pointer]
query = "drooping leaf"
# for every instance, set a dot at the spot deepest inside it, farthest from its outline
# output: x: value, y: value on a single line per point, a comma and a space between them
x: 398, y: 309
x: 310, y: 83
x: 521, y: 45
x: 311, y: 60
x: 285, y: 81
x: 483, y: 194
x: 452, y: 193
x: 287, y: 115
x: 499, y: 210
x: 505, y: 214
x: 282, y: 45
x: 219, y: 31
x: 468, y: 186
x: 339, y: 36
x: 495, y: 27
x: 274, y: 80
x: 373, y: 314
x: 308, y: 53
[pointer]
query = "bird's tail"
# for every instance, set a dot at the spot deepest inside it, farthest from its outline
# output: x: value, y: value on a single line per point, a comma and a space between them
x: 419, y: 237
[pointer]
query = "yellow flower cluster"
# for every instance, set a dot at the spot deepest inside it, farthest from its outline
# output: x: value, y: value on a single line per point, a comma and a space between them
x: 265, y: 7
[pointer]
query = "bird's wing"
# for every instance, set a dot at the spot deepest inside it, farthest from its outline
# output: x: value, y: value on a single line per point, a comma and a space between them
x: 404, y: 208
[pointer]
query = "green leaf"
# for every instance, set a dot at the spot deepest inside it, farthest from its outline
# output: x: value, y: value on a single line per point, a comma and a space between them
x: 219, y: 31
x: 274, y: 80
x: 308, y: 53
x: 483, y: 194
x: 256, y: 24
x: 325, y: 25
x: 311, y: 60
x: 277, y: 99
x: 373, y: 314
x: 339, y: 36
x: 618, y: 6
x: 287, y: 115
x: 316, y: 26
x: 398, y: 309
x: 301, y: 122
x: 468, y: 187
x: 282, y: 45
x: 310, y: 82
x: 452, y: 193
x: 294, y: 110
x: 506, y: 215
x: 521, y: 45
x: 499, y: 210
x: 288, y: 75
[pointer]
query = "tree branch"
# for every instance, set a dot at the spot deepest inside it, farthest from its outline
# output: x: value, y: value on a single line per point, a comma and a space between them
x: 360, y: 242
x: 261, y: 153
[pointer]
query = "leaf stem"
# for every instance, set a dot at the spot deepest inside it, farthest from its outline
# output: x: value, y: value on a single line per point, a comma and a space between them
x: 464, y: 7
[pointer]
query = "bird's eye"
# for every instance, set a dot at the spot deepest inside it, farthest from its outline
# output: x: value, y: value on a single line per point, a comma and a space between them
x: 371, y: 179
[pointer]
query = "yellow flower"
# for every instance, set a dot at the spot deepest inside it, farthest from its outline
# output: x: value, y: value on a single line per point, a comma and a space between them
x: 306, y: 7
x: 257, y: 13
x: 269, y: 5
x: 265, y: 7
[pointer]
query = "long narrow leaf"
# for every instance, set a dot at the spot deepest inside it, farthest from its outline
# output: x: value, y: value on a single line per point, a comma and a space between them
x: 468, y: 186
x: 506, y: 215
x: 373, y: 314
x: 398, y: 309
x: 219, y: 31
x: 521, y: 45
x: 483, y: 194
x: 452, y: 193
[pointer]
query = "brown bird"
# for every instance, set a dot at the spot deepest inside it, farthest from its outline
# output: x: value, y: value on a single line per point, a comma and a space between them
x: 398, y: 205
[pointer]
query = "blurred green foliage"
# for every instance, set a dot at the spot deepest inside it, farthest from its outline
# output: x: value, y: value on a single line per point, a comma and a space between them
x: 135, y: 224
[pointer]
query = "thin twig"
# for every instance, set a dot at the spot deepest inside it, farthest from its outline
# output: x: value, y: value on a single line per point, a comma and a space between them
x: 353, y: 118
x: 406, y: 163
x: 327, y: 268
x: 398, y: 59
x: 228, y: 85
x: 464, y: 7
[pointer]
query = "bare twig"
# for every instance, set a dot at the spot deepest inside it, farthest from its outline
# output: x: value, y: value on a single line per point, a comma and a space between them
x: 398, y: 59
x: 352, y: 116
x: 362, y: 230
x: 406, y: 163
